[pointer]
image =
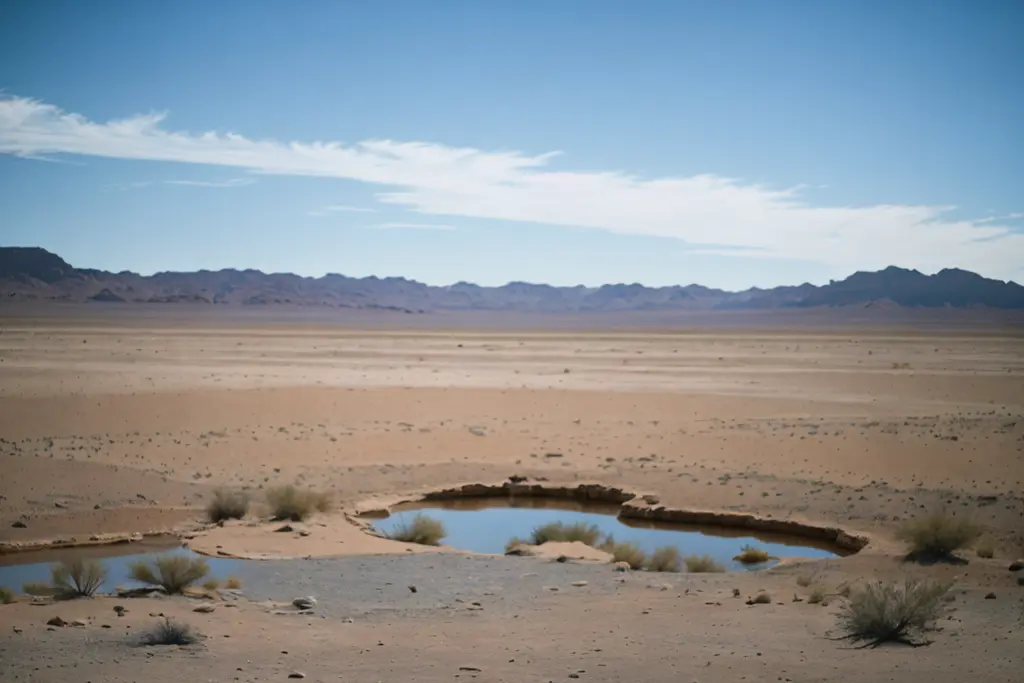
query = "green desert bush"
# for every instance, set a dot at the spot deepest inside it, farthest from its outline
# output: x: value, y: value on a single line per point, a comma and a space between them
x: 227, y: 504
x: 665, y: 559
x: 702, y: 564
x: 630, y: 553
x: 421, y: 529
x: 295, y: 504
x: 169, y: 632
x: 174, y: 573
x: 751, y: 555
x: 884, y: 612
x: 937, y: 534
x: 6, y: 595
x: 588, y: 534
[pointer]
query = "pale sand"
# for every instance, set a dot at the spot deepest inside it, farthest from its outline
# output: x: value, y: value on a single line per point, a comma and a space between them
x: 826, y: 428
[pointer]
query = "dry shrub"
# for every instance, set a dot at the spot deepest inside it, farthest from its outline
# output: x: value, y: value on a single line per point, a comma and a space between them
x: 422, y: 529
x: 211, y: 584
x: 760, y: 599
x: 817, y: 595
x: 169, y: 632
x: 6, y: 596
x: 630, y: 553
x: 174, y: 573
x: 985, y: 548
x: 295, y: 504
x: 233, y: 583
x: 38, y: 589
x: 587, y: 534
x: 890, y: 612
x: 78, y: 578
x: 665, y: 559
x: 751, y: 555
x: 227, y: 504
x: 937, y: 534
x: 702, y: 564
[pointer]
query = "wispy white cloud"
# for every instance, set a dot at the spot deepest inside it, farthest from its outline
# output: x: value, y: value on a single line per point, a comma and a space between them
x: 738, y: 217
x: 340, y: 208
x: 233, y: 182
x: 412, y: 226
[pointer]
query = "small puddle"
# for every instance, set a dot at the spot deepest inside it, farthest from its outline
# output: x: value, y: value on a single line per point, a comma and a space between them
x: 485, y: 525
x: 33, y: 566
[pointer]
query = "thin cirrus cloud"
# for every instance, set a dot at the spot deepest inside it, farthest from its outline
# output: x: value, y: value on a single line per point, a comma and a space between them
x: 711, y: 213
x: 340, y: 208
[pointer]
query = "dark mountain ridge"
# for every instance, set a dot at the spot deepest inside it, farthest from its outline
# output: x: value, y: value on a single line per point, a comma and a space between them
x: 35, y: 274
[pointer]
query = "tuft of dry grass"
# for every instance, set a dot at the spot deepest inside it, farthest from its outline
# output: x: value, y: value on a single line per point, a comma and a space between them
x: 38, y: 589
x: 169, y: 632
x: 6, y: 596
x: 588, y: 534
x: 78, y: 578
x: 702, y: 564
x: 751, y: 555
x: 817, y: 595
x: 630, y: 553
x: 233, y: 583
x: 227, y: 504
x: 665, y: 559
x: 937, y: 534
x: 421, y: 529
x: 174, y: 573
x: 211, y: 584
x: 890, y: 612
x: 760, y: 599
x: 295, y: 504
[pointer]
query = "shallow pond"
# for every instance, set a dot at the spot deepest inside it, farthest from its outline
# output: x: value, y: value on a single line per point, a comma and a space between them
x: 486, y: 525
x: 33, y: 566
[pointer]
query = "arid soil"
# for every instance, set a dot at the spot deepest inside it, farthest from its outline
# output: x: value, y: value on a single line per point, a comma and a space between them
x: 111, y: 427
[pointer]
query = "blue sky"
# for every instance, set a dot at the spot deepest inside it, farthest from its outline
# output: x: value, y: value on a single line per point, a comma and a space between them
x: 728, y: 143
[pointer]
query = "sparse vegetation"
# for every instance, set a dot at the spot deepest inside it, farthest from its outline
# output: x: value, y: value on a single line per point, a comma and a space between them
x: 421, y: 529
x: 751, y: 555
x: 936, y: 535
x: 169, y: 632
x: 227, y: 504
x: 665, y: 559
x: 631, y: 554
x: 211, y: 584
x: 588, y: 534
x: 6, y: 596
x: 760, y: 599
x: 174, y: 573
x: 295, y: 504
x: 702, y: 564
x: 76, y: 578
x: 807, y: 578
x: 889, y: 612
x: 233, y: 583
x: 513, y: 543
x: 817, y: 595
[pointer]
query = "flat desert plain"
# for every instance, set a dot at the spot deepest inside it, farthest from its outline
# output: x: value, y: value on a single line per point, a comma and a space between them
x: 121, y: 426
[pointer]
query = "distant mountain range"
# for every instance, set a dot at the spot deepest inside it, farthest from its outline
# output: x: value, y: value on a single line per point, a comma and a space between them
x: 34, y: 274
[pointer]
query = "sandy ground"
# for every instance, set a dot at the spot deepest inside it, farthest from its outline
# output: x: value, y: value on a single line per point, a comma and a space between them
x: 123, y: 428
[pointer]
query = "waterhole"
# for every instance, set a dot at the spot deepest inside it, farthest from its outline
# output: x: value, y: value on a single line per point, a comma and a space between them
x: 33, y: 566
x: 486, y: 525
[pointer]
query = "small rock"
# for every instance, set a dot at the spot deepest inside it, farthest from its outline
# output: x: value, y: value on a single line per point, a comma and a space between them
x: 287, y: 528
x: 651, y: 500
x: 412, y: 589
x: 140, y: 496
x: 19, y: 525
x: 562, y: 558
x: 1016, y: 565
x: 77, y: 622
x: 469, y: 668
x: 204, y: 609
x: 56, y: 621
x: 622, y: 566
x: 16, y: 629
x: 552, y: 455
x: 120, y: 610
x: 60, y: 506
x: 517, y: 478
x: 990, y: 596
x: 1020, y: 580
x: 308, y: 602
x: 296, y: 674
x: 579, y: 584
